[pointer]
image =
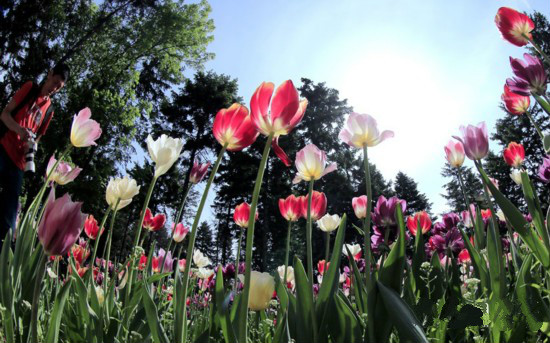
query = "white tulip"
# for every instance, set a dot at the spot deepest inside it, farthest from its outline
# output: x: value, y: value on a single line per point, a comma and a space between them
x: 354, y: 249
x: 200, y: 260
x: 516, y: 176
x: 164, y: 152
x: 289, y: 273
x: 329, y: 223
x: 205, y: 273
x: 121, y: 188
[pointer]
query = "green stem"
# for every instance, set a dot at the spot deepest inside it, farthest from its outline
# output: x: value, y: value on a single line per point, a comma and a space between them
x: 461, y: 182
x: 96, y: 245
x: 327, y: 247
x: 237, y: 260
x: 537, y: 127
x: 109, y: 240
x: 308, y: 236
x: 538, y: 49
x: 287, y: 251
x: 41, y: 268
x: 242, y: 324
x: 179, y: 328
x: 367, y: 222
x: 183, y: 201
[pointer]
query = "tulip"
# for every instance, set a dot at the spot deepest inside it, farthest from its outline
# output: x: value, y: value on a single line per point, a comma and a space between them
x: 466, y: 218
x: 354, y: 249
x: 311, y: 164
x: 285, y: 113
x: 322, y: 266
x: 515, y: 27
x: 91, y: 228
x: 181, y: 265
x: 63, y: 173
x: 80, y: 253
x: 168, y: 261
x: 289, y: 273
x: 450, y: 221
x: 142, y: 262
x: 454, y: 152
x: 61, y: 224
x: 179, y: 232
x: 121, y: 190
x: 329, y: 223
x: 318, y: 205
x: 290, y: 208
x: 359, y: 205
x: 361, y: 130
x: 153, y: 223
x: 515, y: 103
x: 425, y: 222
x: 544, y: 170
x: 204, y: 273
x: 242, y: 214
x: 233, y: 127
x: 262, y: 286
x: 452, y: 240
x: 200, y: 260
x: 514, y: 154
x: 384, y: 211
x: 464, y: 256
x: 100, y: 294
x: 164, y: 152
x: 198, y: 172
x: 84, y: 131
x: 530, y: 76
x: 475, y: 141
x: 515, y: 175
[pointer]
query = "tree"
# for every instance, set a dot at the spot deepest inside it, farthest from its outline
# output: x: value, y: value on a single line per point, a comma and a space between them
x: 407, y: 189
x: 204, y: 240
x: 454, y: 192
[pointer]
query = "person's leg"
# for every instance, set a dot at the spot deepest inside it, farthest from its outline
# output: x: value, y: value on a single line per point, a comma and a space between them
x: 11, y: 179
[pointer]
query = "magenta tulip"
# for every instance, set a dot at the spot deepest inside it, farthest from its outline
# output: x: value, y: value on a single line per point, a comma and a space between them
x: 475, y: 141
x: 530, y: 76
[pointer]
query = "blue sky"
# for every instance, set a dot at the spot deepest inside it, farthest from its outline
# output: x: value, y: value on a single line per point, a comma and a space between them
x: 421, y: 68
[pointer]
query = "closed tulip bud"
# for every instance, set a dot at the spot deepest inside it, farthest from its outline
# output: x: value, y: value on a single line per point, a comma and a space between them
x: 423, y: 218
x: 285, y: 113
x: 322, y: 266
x: 63, y: 173
x: 318, y: 205
x: 514, y: 154
x: 179, y: 232
x: 121, y: 190
x: 61, y: 224
x: 181, y: 265
x: 454, y: 152
x: 289, y: 273
x: 198, y: 172
x: 153, y: 223
x: 361, y: 130
x: 262, y: 286
x: 164, y: 152
x: 464, y: 256
x: 200, y: 260
x: 291, y: 208
x: 475, y: 141
x: 91, y: 228
x: 233, y: 127
x: 100, y: 294
x: 515, y: 175
x: 354, y: 249
x: 329, y: 223
x: 241, y: 215
x: 515, y: 103
x: 515, y: 27
x: 311, y: 164
x: 360, y: 206
x: 142, y: 262
x: 84, y: 131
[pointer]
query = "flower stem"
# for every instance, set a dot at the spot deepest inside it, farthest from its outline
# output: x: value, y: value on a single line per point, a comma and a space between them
x: 287, y: 251
x: 308, y: 236
x: 327, y: 247
x: 41, y: 268
x: 539, y: 50
x: 109, y: 240
x: 237, y: 258
x: 537, y: 127
x: 179, y: 328
x: 96, y: 245
x: 242, y: 324
x: 367, y: 222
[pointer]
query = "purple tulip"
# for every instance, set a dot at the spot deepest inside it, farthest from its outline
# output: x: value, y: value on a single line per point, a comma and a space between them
x: 530, y: 77
x: 452, y: 239
x: 544, y: 170
x: 198, y: 172
x: 450, y: 221
x: 61, y: 224
x: 168, y: 260
x: 475, y: 141
x: 384, y: 211
x: 228, y: 271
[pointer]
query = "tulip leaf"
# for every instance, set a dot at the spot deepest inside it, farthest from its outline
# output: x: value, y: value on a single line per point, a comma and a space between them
x: 480, y: 240
x: 542, y: 102
x: 360, y: 292
x: 343, y: 323
x: 534, y: 208
x: 546, y: 143
x: 519, y: 223
x: 531, y: 302
x: 157, y: 331
x: 419, y: 257
x: 6, y: 290
x: 157, y: 277
x: 82, y: 296
x: 391, y: 273
x: 52, y: 335
x: 480, y: 267
x: 304, y: 302
x: 401, y: 315
x: 222, y: 306
x: 178, y: 302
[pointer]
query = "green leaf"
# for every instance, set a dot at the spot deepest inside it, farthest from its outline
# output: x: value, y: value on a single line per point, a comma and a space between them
x: 52, y: 334
x: 82, y: 297
x: 468, y: 315
x: 478, y: 262
x: 157, y: 331
x: 534, y: 208
x: 360, y: 291
x: 410, y: 330
x: 546, y: 143
x: 531, y: 302
x: 343, y: 323
x: 304, y: 309
x: 222, y: 306
x: 543, y: 103
x: 391, y: 273
x: 157, y: 277
x: 419, y: 256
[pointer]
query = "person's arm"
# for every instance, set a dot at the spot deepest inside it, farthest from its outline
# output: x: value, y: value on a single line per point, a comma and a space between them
x: 10, y: 123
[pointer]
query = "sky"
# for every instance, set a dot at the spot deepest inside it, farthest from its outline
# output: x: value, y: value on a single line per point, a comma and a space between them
x: 420, y: 68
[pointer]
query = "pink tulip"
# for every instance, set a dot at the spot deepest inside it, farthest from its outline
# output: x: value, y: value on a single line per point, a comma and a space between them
x: 362, y: 130
x: 475, y: 141
x: 233, y: 127
x: 425, y: 222
x: 454, y: 152
x: 153, y: 223
x: 360, y: 206
x: 181, y: 265
x: 84, y: 131
x: 242, y: 215
x: 318, y: 205
x: 61, y: 224
x: 179, y: 232
x: 515, y: 27
x: 91, y: 228
x: 290, y: 208
x: 464, y: 256
x: 198, y: 171
x: 515, y: 103
x: 311, y: 164
x: 63, y: 173
x: 285, y: 113
x: 514, y: 154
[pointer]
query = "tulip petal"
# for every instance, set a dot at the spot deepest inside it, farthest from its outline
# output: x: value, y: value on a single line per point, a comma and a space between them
x: 280, y: 152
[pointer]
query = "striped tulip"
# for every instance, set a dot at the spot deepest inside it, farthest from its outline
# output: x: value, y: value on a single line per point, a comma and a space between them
x: 290, y: 208
x: 153, y: 223
x: 233, y: 127
x: 179, y: 232
x: 362, y: 130
x: 475, y: 141
x: 63, y: 173
x: 311, y: 164
x: 514, y: 154
x: 198, y: 172
x: 515, y: 103
x: 279, y: 119
x: 84, y: 131
x: 318, y: 205
x: 322, y: 266
x: 91, y: 228
x: 425, y: 222
x: 454, y: 152
x: 359, y: 205
x: 242, y: 214
x: 515, y: 27
x: 354, y: 249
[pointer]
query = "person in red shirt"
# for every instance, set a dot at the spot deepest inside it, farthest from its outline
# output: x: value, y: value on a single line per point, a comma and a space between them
x: 31, y: 103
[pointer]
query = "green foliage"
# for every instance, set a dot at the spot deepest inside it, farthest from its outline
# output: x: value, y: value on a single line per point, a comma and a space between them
x: 407, y: 189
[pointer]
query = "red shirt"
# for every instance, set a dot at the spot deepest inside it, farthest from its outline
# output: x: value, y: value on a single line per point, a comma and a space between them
x: 30, y: 116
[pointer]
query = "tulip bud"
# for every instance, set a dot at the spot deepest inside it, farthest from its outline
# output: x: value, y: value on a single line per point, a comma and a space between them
x: 233, y: 128
x: 322, y: 266
x: 318, y: 205
x: 329, y: 223
x: 475, y: 141
x: 362, y: 130
x: 153, y: 223
x: 354, y: 249
x: 200, y: 260
x: 515, y: 175
x: 63, y: 173
x: 290, y: 208
x: 515, y: 27
x: 242, y: 215
x: 91, y: 228
x: 198, y: 172
x: 181, y: 265
x: 454, y: 152
x: 464, y: 256
x: 121, y: 190
x: 360, y: 206
x: 423, y: 218
x: 515, y: 103
x: 179, y: 232
x: 289, y: 273
x: 514, y: 154
x: 164, y: 152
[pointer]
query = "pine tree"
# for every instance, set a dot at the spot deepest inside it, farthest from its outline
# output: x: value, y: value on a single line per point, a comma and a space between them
x: 205, y: 240
x: 454, y: 193
x: 407, y: 189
